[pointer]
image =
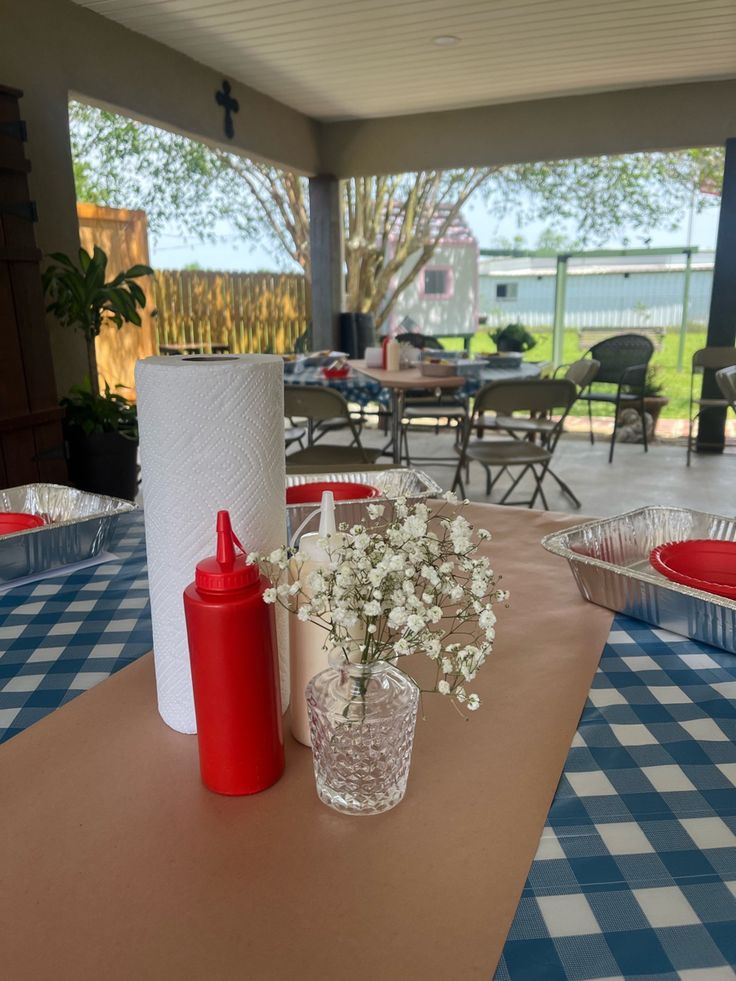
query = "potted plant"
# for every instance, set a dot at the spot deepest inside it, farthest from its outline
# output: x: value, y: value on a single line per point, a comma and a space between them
x: 102, y: 441
x: 513, y: 337
x: 100, y: 429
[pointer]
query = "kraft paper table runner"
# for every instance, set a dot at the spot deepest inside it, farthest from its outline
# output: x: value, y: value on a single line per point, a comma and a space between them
x: 115, y: 862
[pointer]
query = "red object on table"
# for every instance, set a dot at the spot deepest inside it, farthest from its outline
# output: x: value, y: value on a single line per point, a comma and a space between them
x: 703, y: 563
x: 12, y: 521
x: 343, y: 490
x: 336, y: 372
x: 384, y: 352
x: 235, y: 672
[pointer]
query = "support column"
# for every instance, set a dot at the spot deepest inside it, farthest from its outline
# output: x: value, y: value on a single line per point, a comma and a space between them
x: 327, y: 258
x: 558, y: 325
x: 685, y: 309
x: 722, y: 320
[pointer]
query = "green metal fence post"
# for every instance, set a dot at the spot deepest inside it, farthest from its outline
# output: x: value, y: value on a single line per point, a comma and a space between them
x: 558, y: 325
x: 685, y: 305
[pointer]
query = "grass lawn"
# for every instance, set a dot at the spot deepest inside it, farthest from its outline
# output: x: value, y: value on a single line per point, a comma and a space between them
x: 676, y: 383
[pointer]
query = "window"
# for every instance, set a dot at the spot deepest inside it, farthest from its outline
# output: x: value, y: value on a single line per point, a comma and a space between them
x: 507, y: 291
x: 435, y: 282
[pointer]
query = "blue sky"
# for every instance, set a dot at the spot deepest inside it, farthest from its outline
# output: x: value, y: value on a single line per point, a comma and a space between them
x: 170, y: 252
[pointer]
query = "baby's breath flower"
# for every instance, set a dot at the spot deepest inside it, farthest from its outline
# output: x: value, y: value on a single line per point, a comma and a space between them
x: 411, y: 585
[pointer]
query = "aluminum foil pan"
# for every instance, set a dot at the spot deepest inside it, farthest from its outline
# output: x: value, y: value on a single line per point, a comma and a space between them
x: 610, y: 562
x: 411, y: 484
x: 80, y: 525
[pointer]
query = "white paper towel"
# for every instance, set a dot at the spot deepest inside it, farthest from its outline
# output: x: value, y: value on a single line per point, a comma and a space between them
x: 211, y: 437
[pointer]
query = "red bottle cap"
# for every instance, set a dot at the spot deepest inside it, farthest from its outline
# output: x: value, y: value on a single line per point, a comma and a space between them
x: 225, y: 571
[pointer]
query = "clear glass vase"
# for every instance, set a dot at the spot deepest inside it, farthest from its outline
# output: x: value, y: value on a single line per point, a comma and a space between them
x: 361, y: 721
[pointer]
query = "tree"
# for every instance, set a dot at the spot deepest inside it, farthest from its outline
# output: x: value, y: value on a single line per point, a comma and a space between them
x: 393, y: 224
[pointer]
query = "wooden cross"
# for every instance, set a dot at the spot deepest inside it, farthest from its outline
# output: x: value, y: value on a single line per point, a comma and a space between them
x: 230, y: 106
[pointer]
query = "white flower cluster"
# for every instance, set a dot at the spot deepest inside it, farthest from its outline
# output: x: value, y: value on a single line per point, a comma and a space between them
x: 413, y: 584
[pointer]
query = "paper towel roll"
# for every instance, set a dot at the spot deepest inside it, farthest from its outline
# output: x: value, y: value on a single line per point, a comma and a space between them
x: 211, y: 437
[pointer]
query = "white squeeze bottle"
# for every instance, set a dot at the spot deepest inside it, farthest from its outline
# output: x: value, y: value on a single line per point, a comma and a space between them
x: 393, y: 355
x: 307, y: 653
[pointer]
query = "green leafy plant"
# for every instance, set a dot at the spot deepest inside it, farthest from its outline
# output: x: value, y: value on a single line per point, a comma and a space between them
x: 513, y: 337
x: 653, y: 385
x: 79, y: 296
x: 104, y: 412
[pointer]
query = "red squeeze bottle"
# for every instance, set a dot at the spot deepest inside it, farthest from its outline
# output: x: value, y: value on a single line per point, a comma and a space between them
x: 384, y: 352
x: 235, y: 674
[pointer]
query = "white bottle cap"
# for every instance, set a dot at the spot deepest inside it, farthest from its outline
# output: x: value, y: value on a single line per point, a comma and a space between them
x: 309, y: 545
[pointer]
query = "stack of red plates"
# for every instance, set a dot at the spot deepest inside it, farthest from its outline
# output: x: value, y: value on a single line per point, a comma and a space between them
x: 342, y: 490
x: 704, y: 563
x: 336, y: 372
x: 12, y: 521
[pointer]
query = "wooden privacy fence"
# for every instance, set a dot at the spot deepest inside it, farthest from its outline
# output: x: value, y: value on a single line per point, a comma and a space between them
x: 248, y: 312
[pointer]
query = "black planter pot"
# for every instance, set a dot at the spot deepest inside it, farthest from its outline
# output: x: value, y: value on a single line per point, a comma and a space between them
x: 103, y: 463
x: 366, y: 332
x: 503, y: 346
x: 348, y: 335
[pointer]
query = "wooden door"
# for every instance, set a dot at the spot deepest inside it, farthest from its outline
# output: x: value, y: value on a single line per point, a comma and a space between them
x: 31, y: 441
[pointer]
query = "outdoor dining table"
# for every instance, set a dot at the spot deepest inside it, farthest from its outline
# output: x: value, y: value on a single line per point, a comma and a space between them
x: 364, y: 385
x: 116, y: 862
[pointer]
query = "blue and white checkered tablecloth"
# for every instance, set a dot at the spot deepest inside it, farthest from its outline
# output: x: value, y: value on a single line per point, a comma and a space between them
x: 361, y: 389
x: 635, y: 875
x: 63, y: 635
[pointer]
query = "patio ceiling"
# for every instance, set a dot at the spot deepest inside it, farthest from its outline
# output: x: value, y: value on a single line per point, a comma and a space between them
x: 356, y: 59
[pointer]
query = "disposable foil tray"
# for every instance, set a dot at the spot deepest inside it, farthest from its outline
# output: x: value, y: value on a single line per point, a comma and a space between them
x: 79, y: 526
x: 411, y: 484
x: 610, y: 562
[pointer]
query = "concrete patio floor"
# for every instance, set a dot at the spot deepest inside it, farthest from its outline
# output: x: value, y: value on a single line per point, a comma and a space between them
x: 634, y: 479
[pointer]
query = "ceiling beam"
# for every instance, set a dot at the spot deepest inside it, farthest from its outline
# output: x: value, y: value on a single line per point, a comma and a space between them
x: 658, y: 118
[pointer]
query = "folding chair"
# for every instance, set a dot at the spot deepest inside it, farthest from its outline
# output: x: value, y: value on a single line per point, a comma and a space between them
x: 536, y: 396
x: 317, y: 404
x: 713, y: 358
x: 726, y: 379
x: 581, y: 373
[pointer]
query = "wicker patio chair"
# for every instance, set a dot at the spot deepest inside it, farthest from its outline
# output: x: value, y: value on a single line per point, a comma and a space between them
x: 623, y: 361
x: 715, y: 359
x: 535, y: 396
x: 317, y: 404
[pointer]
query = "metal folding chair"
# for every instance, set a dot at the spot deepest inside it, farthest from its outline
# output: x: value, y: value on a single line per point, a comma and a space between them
x: 536, y: 397
x: 715, y: 359
x: 318, y: 405
x: 726, y: 379
x: 581, y: 373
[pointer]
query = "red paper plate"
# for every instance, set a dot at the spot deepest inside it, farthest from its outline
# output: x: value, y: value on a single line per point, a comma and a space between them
x: 343, y: 490
x: 704, y: 563
x: 12, y: 521
x: 336, y: 372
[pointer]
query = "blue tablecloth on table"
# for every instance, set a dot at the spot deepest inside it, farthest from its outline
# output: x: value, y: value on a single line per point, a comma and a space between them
x: 361, y: 389
x: 635, y: 875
